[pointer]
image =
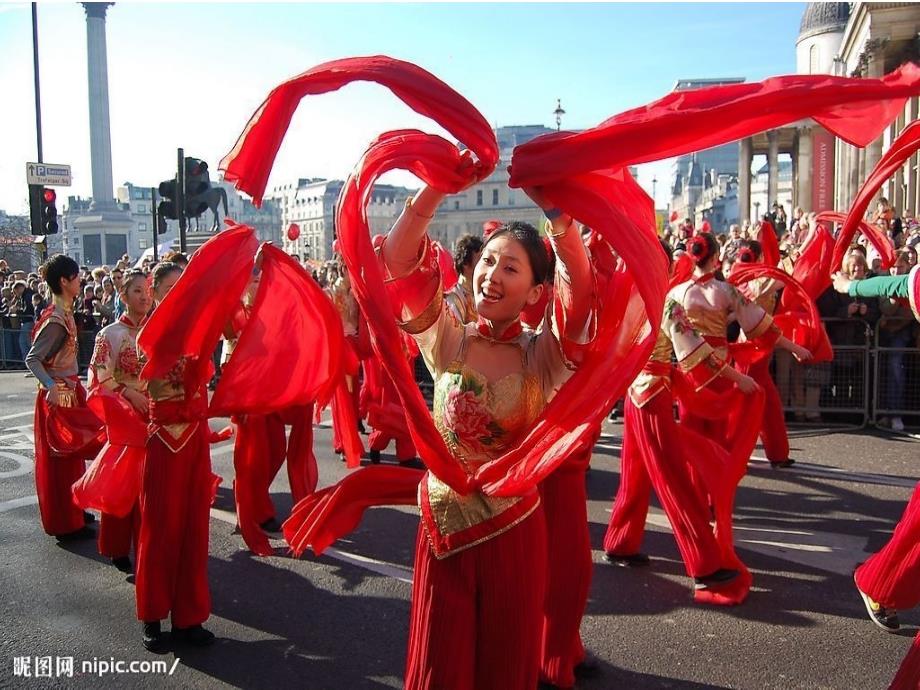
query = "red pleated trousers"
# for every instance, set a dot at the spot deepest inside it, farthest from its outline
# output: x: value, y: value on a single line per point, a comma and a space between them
x: 569, y: 566
x: 172, y: 554
x: 652, y: 457
x: 476, y: 615
x: 355, y: 398
x: 773, y: 431
x: 892, y: 576
x: 117, y: 534
x: 258, y: 452
x: 55, y: 475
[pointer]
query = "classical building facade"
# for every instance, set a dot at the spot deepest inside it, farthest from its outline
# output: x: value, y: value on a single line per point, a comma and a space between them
x: 310, y: 204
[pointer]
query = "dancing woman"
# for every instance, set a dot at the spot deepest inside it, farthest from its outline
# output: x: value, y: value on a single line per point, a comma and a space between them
x: 656, y: 454
x: 115, y: 370
x: 481, y: 561
x: 66, y: 431
x: 710, y: 304
x: 172, y: 554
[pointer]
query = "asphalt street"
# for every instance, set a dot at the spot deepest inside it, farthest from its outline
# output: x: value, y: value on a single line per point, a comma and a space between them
x: 341, y: 620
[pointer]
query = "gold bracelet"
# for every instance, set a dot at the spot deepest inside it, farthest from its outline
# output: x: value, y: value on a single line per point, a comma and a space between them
x: 412, y: 208
x: 557, y: 235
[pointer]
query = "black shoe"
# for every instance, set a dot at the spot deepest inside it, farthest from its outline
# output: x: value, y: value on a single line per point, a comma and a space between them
x: 77, y: 535
x: 88, y: 518
x: 720, y: 577
x: 123, y: 563
x: 414, y: 464
x: 154, y: 639
x: 886, y: 619
x: 374, y: 455
x: 632, y: 560
x: 271, y: 525
x: 196, y: 636
x: 788, y: 462
x: 589, y: 667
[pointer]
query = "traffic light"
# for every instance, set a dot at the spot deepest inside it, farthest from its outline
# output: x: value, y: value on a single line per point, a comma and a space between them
x: 197, y: 183
x: 169, y: 206
x: 43, y: 210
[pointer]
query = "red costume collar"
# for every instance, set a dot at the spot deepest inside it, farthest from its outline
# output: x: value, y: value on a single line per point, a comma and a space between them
x: 512, y: 332
x: 126, y: 320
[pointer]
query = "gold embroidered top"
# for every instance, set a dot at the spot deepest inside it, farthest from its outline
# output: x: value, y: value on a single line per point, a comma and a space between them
x: 115, y: 364
x: 696, y: 358
x: 54, y: 346
x: 710, y: 304
x: 480, y: 419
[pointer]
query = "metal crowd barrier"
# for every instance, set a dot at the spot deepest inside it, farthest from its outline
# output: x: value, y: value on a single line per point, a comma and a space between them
x: 897, y: 374
x: 12, y: 359
x: 830, y: 394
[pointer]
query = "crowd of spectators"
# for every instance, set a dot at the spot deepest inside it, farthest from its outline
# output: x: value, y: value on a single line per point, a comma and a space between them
x: 854, y: 325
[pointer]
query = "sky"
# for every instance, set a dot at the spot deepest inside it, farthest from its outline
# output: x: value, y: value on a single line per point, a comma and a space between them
x: 191, y: 74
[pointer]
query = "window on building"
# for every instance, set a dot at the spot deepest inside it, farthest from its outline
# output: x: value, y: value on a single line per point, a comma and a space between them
x: 511, y: 198
x: 142, y: 208
x: 813, y: 60
x: 479, y: 197
x: 143, y: 243
x: 495, y: 197
x: 456, y: 205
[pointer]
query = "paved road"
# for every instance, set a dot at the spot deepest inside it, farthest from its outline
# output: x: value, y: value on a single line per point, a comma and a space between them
x: 340, y: 621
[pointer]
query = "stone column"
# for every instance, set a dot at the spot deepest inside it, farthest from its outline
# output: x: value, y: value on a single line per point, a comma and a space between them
x: 803, y: 169
x: 745, y: 154
x: 875, y: 69
x: 100, y: 137
x: 772, y: 168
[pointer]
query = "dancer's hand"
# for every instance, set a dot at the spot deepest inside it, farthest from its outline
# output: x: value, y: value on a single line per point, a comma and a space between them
x: 137, y: 399
x: 54, y: 395
x: 747, y: 385
x: 802, y: 354
x: 841, y: 283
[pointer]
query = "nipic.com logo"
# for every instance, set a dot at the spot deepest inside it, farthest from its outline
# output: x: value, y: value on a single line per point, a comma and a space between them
x: 68, y: 667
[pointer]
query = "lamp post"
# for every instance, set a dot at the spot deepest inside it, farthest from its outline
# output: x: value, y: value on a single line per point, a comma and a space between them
x: 558, y: 112
x: 654, y: 188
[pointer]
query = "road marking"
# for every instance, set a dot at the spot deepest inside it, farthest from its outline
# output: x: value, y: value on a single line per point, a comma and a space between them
x: 18, y: 503
x: 397, y: 572
x: 18, y: 414
x: 23, y: 465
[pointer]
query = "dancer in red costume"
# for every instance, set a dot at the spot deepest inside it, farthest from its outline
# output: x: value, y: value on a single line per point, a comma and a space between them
x: 172, y: 554
x: 763, y: 292
x: 66, y: 430
x: 491, y: 380
x: 655, y: 454
x: 888, y: 581
x: 115, y: 371
x: 709, y: 304
x: 346, y: 420
x: 261, y: 447
x: 386, y: 414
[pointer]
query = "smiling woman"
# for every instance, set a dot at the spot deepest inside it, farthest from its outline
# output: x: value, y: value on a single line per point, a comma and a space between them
x: 492, y: 380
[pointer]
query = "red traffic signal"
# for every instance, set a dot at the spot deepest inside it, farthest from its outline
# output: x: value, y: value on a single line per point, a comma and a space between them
x: 42, y: 210
x: 49, y: 195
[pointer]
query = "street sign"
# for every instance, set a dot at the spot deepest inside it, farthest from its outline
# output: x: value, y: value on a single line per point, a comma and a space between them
x: 51, y: 174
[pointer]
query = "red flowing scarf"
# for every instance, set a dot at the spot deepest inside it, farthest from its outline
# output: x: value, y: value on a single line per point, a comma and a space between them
x: 856, y: 110
x: 798, y: 316
x: 901, y: 149
x: 308, y: 360
x: 189, y: 321
x: 439, y: 163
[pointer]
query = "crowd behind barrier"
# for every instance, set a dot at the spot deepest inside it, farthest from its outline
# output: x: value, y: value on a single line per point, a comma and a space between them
x: 872, y: 380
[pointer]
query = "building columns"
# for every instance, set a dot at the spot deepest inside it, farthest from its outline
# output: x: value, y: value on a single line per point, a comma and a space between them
x: 772, y: 168
x: 803, y: 167
x: 745, y: 156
